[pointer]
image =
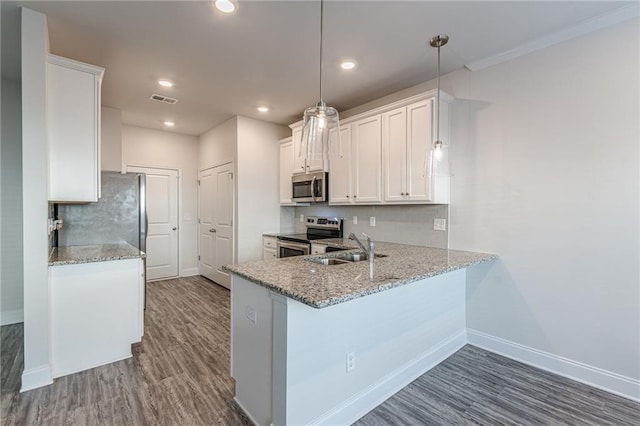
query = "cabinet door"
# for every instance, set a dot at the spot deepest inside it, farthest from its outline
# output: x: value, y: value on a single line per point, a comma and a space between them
x: 394, y: 154
x: 299, y: 165
x: 286, y: 170
x: 340, y: 171
x: 366, y: 164
x: 269, y: 253
x: 419, y: 142
x: 73, y: 108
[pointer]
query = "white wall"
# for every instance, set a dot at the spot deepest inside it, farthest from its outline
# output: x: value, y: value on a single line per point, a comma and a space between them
x: 257, y: 184
x: 111, y: 139
x: 545, y: 163
x: 155, y: 148
x: 218, y: 145
x: 253, y: 147
x: 11, y: 288
x: 35, y: 45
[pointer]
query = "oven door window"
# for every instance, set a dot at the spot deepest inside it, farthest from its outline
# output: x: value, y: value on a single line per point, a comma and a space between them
x: 290, y: 252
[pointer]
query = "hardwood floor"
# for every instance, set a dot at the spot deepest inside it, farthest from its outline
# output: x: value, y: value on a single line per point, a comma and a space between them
x: 474, y: 386
x: 179, y: 375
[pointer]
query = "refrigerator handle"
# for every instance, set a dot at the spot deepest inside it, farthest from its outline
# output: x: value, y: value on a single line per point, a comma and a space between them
x: 144, y: 227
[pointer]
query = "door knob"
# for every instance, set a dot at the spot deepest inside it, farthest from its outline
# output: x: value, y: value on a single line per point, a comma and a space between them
x: 174, y: 228
x: 212, y: 230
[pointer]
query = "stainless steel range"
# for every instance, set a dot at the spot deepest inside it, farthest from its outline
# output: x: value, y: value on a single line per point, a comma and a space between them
x: 317, y: 228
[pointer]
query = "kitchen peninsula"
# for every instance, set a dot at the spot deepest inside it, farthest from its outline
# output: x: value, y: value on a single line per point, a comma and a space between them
x: 324, y: 344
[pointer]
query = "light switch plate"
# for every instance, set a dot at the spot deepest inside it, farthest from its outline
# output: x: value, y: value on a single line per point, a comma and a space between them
x: 439, y: 224
x: 301, y: 218
x: 355, y: 220
x: 372, y: 221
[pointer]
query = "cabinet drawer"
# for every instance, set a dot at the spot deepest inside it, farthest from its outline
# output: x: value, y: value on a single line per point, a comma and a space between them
x: 269, y: 242
x: 269, y: 253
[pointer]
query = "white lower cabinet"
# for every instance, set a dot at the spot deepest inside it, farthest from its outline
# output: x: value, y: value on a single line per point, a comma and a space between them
x: 97, y: 312
x: 269, y: 248
x: 73, y: 129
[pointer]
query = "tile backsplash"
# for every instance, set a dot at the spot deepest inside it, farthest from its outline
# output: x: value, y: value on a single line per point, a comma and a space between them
x: 411, y: 224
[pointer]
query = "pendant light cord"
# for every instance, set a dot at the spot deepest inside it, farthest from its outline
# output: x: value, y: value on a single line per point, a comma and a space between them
x: 438, y: 101
x: 321, y: 20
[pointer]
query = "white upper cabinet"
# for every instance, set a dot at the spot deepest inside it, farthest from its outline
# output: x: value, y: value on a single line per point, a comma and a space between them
x: 73, y: 128
x: 286, y: 170
x: 407, y: 137
x: 300, y: 165
x: 340, y: 170
x: 387, y: 155
x: 366, y: 149
x: 394, y: 154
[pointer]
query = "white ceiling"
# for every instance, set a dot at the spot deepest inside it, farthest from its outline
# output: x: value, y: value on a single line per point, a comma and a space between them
x: 267, y: 52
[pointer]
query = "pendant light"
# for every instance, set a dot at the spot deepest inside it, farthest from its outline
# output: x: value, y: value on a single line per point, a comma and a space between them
x: 321, y: 127
x: 438, y: 41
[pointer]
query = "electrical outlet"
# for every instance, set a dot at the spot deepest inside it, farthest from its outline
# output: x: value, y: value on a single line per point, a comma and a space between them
x: 251, y: 314
x: 351, y: 361
x: 301, y: 218
x: 372, y: 221
x: 439, y: 224
x: 355, y: 220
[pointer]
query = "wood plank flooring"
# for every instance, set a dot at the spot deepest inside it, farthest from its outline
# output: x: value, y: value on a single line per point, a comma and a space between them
x: 179, y: 375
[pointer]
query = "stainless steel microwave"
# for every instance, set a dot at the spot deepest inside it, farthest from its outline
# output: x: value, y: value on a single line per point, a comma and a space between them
x: 309, y: 188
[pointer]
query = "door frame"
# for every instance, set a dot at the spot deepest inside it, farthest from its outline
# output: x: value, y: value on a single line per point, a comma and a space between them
x: 234, y: 257
x: 125, y: 166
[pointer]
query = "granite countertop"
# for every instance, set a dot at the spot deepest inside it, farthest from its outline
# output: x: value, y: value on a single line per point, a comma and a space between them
x: 94, y: 253
x: 320, y: 286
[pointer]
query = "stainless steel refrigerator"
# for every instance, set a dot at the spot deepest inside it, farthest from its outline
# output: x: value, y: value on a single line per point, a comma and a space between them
x: 119, y: 215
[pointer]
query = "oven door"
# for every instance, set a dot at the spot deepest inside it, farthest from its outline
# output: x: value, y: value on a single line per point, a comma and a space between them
x: 290, y: 249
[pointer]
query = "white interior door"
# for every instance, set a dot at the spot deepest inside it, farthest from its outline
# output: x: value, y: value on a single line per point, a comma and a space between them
x: 162, y: 215
x: 216, y: 222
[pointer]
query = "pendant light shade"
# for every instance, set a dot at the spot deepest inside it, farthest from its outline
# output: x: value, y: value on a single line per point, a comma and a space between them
x: 320, y: 133
x: 321, y: 125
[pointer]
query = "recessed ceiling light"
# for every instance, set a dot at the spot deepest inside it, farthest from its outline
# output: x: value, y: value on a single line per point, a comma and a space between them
x: 225, y: 6
x: 263, y: 108
x: 169, y: 123
x: 348, y: 64
x: 165, y: 83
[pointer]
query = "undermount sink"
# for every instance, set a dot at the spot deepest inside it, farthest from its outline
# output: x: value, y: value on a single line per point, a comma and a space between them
x: 329, y: 261
x: 341, y: 259
x: 357, y: 257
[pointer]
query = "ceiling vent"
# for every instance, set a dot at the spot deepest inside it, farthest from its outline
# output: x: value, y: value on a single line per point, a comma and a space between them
x: 164, y: 99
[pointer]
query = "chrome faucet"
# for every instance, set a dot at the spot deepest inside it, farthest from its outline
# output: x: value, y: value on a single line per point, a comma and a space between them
x: 368, y: 252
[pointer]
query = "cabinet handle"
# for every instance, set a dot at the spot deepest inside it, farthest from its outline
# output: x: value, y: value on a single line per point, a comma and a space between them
x: 212, y: 230
x: 347, y: 196
x: 355, y: 196
x: 402, y: 193
x: 407, y: 194
x: 302, y: 167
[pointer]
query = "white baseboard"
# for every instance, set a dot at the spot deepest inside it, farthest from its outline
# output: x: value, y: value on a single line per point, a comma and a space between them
x: 190, y: 272
x: 372, y: 396
x: 36, y: 378
x: 587, y: 374
x: 11, y: 317
x: 246, y: 413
